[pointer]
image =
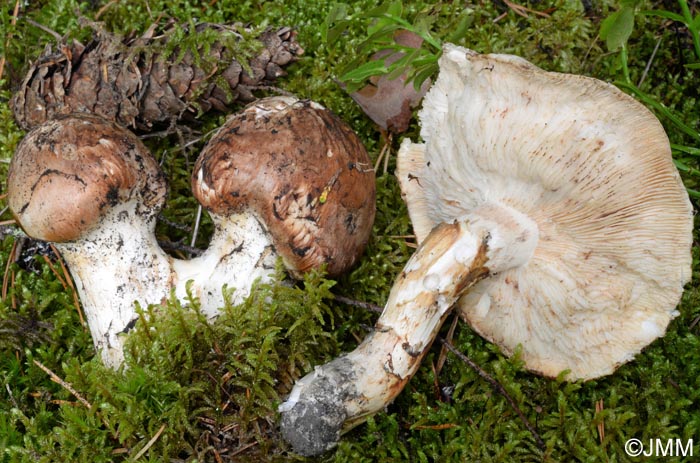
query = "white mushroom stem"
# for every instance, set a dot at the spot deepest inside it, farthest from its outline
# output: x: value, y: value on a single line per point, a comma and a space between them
x: 342, y: 393
x: 92, y: 188
x: 120, y: 263
x: 115, y: 265
x: 240, y: 252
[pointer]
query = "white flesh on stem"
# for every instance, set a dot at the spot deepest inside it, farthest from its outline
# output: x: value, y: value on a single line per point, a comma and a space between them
x: 240, y: 252
x: 342, y: 393
x: 120, y: 263
x: 108, y: 266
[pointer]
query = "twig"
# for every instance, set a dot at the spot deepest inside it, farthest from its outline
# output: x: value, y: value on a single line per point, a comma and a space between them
x: 170, y: 246
x: 170, y: 223
x: 437, y: 427
x: 443, y: 351
x: 195, y: 232
x: 69, y: 280
x: 103, y: 9
x: 8, y: 222
x: 56, y: 379
x: 363, y: 305
x: 243, y: 449
x: 55, y: 272
x: 694, y: 323
x: 11, y: 258
x: 648, y: 66
x: 588, y: 51
x: 52, y: 32
x: 599, y: 407
x: 523, y: 10
x: 15, y: 14
x: 498, y: 387
x: 172, y: 129
x: 12, y: 397
x: 500, y: 16
x: 382, y: 152
x: 150, y: 443
x: 405, y: 238
x: 269, y: 88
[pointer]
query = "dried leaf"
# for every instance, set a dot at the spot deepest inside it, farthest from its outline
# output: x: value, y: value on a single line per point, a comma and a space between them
x: 389, y: 100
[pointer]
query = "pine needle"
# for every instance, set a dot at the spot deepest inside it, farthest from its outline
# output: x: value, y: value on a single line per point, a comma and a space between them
x: 69, y: 280
x: 12, y: 257
x: 15, y: 14
x: 56, y: 379
x: 599, y: 407
x: 150, y: 443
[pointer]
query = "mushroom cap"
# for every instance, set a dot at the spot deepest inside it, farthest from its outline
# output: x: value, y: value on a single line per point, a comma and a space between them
x: 304, y: 174
x: 592, y: 168
x: 67, y: 173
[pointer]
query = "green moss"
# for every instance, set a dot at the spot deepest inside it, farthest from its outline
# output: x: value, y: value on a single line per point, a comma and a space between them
x: 208, y: 391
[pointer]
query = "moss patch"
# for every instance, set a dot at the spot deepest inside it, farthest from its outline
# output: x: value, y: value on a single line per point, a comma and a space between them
x: 207, y: 392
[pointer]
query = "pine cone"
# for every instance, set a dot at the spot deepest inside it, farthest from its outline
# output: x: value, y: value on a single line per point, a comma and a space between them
x: 137, y: 84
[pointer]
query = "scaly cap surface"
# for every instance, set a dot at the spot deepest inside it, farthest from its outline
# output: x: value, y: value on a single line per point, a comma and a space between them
x: 301, y: 171
x: 68, y: 172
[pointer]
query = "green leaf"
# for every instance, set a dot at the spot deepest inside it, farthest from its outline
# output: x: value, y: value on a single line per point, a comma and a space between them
x: 335, y: 23
x: 369, y: 69
x: 686, y: 149
x: 395, y: 9
x: 423, y: 73
x: 617, y: 28
x: 332, y: 34
x: 460, y: 30
x: 664, y: 14
x: 661, y: 109
x: 338, y: 12
x: 385, y: 15
x: 380, y: 39
x: 693, y: 193
x: 630, y: 3
x: 399, y: 66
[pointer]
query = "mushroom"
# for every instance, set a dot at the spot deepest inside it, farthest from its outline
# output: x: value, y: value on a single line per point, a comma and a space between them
x: 295, y: 181
x: 285, y: 177
x: 92, y: 188
x: 548, y: 207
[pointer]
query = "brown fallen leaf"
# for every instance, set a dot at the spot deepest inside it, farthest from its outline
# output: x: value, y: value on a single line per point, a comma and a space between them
x: 390, y: 102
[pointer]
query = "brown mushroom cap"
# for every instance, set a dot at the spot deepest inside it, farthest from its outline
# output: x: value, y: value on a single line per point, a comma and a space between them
x: 592, y: 168
x: 302, y: 171
x: 69, y: 172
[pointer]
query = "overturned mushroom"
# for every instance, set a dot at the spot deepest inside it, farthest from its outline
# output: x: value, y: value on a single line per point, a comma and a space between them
x: 298, y: 178
x: 573, y: 228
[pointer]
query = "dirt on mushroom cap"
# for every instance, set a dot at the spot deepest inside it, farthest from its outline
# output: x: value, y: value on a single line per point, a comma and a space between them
x: 63, y: 178
x: 303, y: 172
